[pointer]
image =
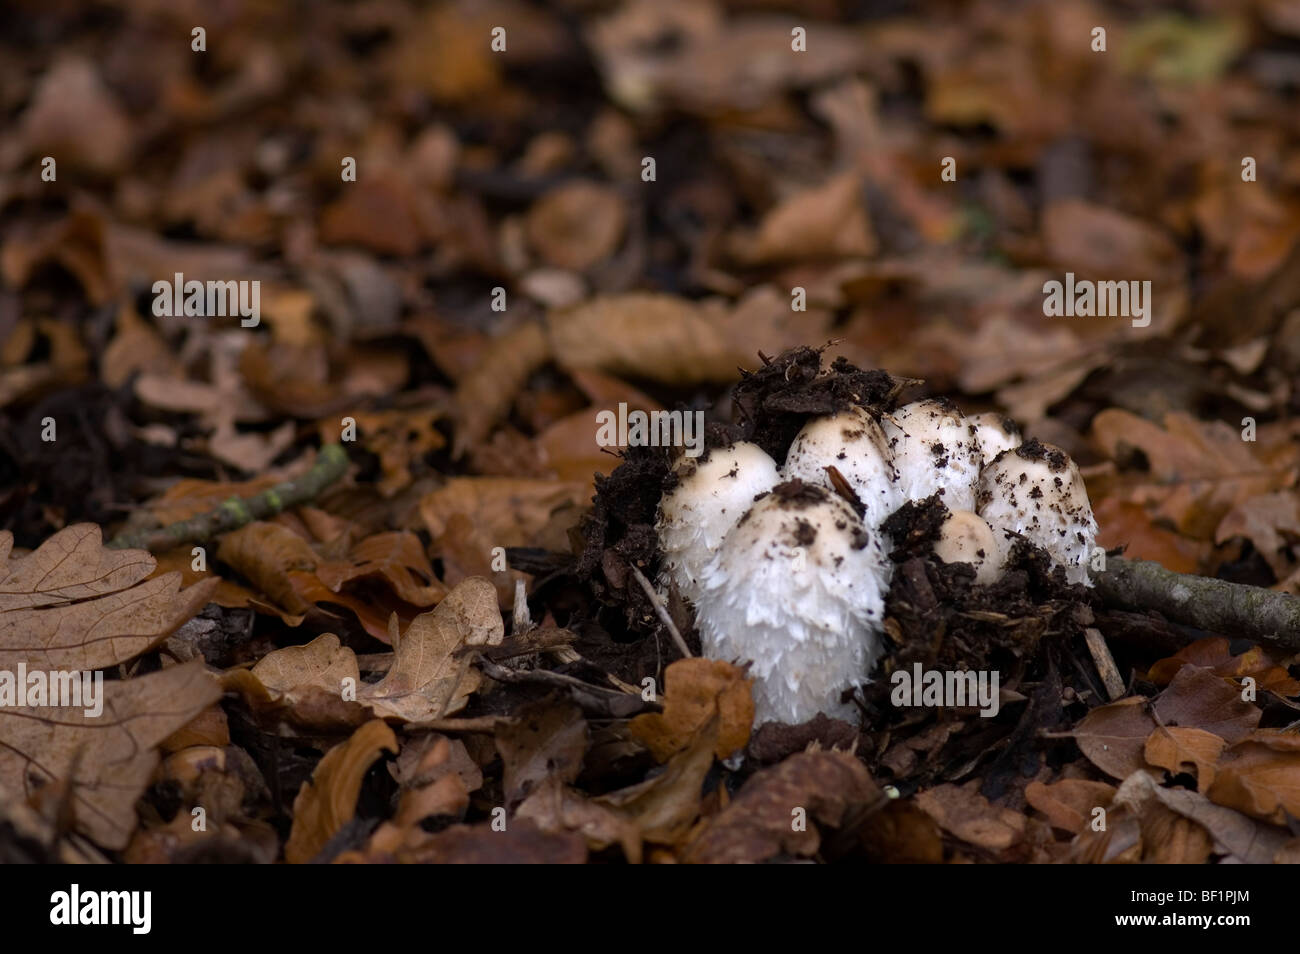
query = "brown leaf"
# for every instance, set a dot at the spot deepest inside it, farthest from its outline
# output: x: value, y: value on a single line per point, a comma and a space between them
x: 431, y: 677
x: 642, y: 335
x: 577, y: 225
x: 1271, y: 522
x: 75, y: 117
x: 827, y: 221
x: 397, y: 557
x: 74, y: 604
x: 399, y: 438
x: 266, y: 553
x: 1242, y: 839
x: 778, y: 810
x: 1130, y: 525
x: 694, y: 691
x: 323, y: 663
x: 1177, y: 749
x: 663, y: 807
x: 555, y: 807
x: 521, y: 843
x: 1068, y: 804
x: 1113, y: 736
x: 970, y: 817
x: 328, y: 800
x: 1260, y: 775
x: 1199, y: 699
x: 113, y: 753
x: 547, y: 740
x: 1199, y: 470
x: 1265, y: 665
x: 484, y: 395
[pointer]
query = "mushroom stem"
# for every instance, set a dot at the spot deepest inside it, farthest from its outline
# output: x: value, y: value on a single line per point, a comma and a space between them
x: 1232, y: 609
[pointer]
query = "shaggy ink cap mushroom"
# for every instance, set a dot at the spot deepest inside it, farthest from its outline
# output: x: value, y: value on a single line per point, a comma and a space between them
x: 853, y: 443
x: 711, y: 494
x: 1036, y: 491
x: 797, y: 589
x: 995, y: 433
x: 964, y: 537
x: 934, y: 449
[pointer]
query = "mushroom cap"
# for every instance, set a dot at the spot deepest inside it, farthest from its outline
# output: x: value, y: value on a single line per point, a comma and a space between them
x: 1036, y: 491
x: 935, y: 449
x: 853, y: 443
x: 964, y: 537
x: 712, y: 493
x: 995, y: 433
x: 798, y: 590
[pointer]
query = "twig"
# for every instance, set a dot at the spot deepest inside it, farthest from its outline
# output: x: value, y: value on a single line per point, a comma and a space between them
x: 1231, y: 609
x: 234, y: 513
x: 1105, y: 663
x: 661, y: 612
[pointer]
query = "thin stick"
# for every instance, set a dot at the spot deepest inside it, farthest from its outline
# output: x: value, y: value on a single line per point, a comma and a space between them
x: 1230, y: 609
x: 661, y: 612
x: 236, y: 512
x: 1105, y: 663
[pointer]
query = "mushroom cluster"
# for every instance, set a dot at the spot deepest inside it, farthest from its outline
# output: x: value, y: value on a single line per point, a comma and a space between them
x: 788, y: 567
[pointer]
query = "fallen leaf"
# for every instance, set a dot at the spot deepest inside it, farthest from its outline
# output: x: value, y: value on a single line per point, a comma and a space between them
x: 577, y: 225
x: 112, y: 754
x: 1178, y: 749
x: 431, y: 677
x: 816, y: 788
x: 73, y: 604
x: 1069, y: 803
x: 323, y: 663
x: 694, y: 691
x: 545, y: 741
x: 1260, y: 775
x: 328, y: 800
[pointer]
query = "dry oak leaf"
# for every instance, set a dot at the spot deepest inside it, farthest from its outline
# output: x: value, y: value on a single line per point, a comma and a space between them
x: 323, y: 663
x: 1271, y: 522
x: 826, y: 221
x: 522, y: 843
x: 432, y: 675
x: 267, y: 554
x: 657, y: 337
x: 577, y: 225
x: 544, y: 741
x: 1243, y: 839
x: 1268, y: 667
x: 74, y: 604
x: 829, y: 788
x: 695, y: 689
x: 1199, y: 470
x: 1069, y: 803
x: 1177, y: 748
x: 664, y: 807
x: 1114, y: 736
x: 970, y: 817
x: 398, y: 557
x: 327, y: 801
x: 555, y: 807
x: 1260, y: 776
x: 112, y: 756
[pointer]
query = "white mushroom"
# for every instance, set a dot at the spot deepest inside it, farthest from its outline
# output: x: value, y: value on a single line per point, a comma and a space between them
x: 995, y: 433
x: 798, y: 590
x: 934, y: 449
x: 853, y: 443
x: 966, y: 538
x: 712, y: 493
x: 1037, y: 492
